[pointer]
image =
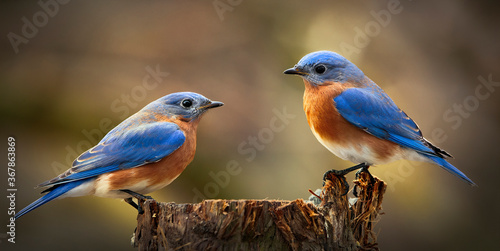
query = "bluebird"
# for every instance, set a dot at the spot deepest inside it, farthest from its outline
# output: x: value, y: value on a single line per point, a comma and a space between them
x: 356, y: 120
x: 144, y: 153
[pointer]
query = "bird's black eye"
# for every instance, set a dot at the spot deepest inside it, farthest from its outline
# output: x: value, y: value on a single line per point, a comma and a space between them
x: 186, y: 103
x: 320, y: 69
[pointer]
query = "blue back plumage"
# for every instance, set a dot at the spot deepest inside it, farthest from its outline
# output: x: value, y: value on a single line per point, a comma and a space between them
x: 370, y: 109
x: 134, y: 146
x: 377, y: 114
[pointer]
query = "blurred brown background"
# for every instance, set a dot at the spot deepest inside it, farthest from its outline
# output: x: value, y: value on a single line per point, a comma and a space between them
x: 86, y: 63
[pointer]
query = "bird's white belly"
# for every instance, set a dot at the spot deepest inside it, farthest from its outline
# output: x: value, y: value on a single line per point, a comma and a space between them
x: 103, y: 188
x: 359, y: 153
x: 86, y: 188
x: 356, y: 153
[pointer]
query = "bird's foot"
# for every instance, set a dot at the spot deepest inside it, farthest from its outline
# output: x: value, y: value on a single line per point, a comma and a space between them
x: 341, y: 174
x: 132, y: 203
x: 135, y: 205
x: 358, y: 173
x: 139, y: 197
x: 365, y: 170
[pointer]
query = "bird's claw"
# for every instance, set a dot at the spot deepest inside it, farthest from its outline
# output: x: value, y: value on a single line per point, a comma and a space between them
x: 339, y: 174
x: 139, y: 197
x: 358, y: 173
x: 135, y: 205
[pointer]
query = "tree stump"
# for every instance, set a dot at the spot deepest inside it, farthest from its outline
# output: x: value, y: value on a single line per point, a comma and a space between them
x: 334, y: 224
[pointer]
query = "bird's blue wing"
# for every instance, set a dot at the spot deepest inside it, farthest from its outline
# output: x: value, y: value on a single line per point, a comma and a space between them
x: 373, y: 111
x: 132, y: 147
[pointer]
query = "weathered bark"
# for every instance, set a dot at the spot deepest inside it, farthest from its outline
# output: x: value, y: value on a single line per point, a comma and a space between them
x: 266, y: 224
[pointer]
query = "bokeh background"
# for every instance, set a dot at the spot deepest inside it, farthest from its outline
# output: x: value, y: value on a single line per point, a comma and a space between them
x: 83, y: 71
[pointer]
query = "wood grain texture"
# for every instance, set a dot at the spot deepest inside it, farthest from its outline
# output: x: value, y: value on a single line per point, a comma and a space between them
x: 266, y: 224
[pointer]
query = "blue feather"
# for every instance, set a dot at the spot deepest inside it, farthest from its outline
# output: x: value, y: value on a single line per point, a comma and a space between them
x: 373, y: 111
x: 450, y: 168
x: 54, y: 193
x: 132, y: 147
x: 135, y: 147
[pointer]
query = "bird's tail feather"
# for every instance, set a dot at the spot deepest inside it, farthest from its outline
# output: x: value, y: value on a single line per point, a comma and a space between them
x: 450, y: 168
x: 54, y: 193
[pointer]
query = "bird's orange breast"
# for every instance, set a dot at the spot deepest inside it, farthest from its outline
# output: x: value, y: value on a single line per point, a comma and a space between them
x: 322, y: 115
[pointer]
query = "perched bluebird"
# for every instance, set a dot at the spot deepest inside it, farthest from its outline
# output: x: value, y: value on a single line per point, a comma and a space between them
x: 144, y: 153
x: 356, y: 120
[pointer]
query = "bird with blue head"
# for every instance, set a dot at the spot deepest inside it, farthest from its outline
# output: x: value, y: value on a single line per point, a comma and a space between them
x: 144, y: 153
x: 356, y: 120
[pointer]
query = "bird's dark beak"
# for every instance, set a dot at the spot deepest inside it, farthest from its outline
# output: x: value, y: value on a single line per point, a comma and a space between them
x: 213, y: 104
x: 295, y: 71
